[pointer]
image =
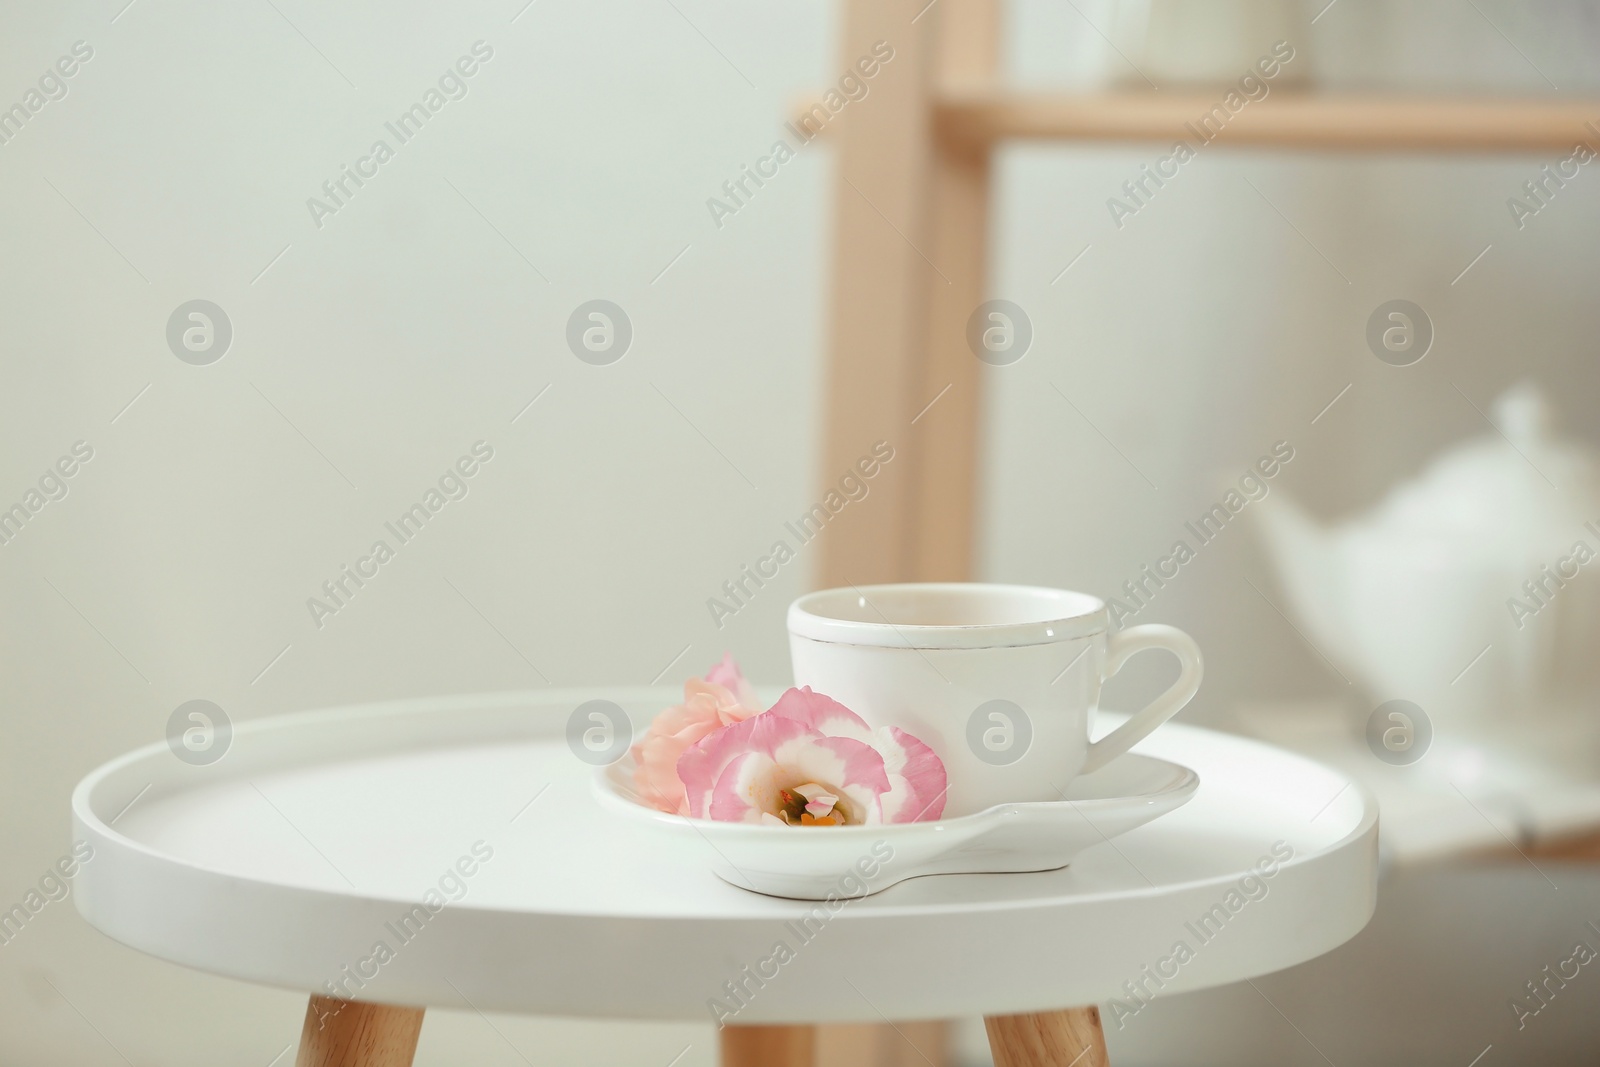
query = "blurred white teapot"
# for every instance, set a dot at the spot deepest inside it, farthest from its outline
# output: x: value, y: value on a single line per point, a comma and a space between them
x: 1473, y: 590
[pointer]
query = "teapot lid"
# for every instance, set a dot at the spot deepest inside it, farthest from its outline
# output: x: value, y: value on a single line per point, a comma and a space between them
x: 1520, y: 489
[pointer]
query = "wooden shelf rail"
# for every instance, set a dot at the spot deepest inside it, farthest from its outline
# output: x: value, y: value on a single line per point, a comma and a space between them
x: 1282, y: 120
x: 1306, y: 121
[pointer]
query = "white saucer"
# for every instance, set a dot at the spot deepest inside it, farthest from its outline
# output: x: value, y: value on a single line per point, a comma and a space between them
x: 855, y: 861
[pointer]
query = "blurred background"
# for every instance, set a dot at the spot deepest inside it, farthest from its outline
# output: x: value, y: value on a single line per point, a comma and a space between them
x: 373, y: 345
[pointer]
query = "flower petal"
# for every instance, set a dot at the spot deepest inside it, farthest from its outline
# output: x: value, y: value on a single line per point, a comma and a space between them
x: 822, y: 713
x: 852, y: 769
x: 707, y: 707
x: 917, y: 778
x: 747, y: 789
x: 700, y: 767
x: 820, y: 803
x: 727, y: 674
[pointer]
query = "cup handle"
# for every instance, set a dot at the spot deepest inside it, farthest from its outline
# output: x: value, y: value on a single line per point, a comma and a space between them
x: 1121, y: 647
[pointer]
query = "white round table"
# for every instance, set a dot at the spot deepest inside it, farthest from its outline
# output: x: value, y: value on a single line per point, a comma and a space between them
x: 449, y: 852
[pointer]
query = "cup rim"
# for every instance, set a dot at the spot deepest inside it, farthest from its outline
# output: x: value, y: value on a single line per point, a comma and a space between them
x: 807, y: 618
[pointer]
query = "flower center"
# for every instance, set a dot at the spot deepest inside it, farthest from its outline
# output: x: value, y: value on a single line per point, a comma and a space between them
x: 808, y: 805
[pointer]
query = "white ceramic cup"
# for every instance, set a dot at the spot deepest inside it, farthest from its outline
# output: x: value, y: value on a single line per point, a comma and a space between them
x: 1002, y: 681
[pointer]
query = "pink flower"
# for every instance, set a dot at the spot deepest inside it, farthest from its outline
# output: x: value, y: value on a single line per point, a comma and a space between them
x: 727, y: 674
x: 722, y: 699
x: 809, y: 760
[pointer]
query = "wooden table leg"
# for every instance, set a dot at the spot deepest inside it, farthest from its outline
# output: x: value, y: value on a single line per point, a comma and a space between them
x: 904, y: 1044
x: 1070, y: 1038
x: 351, y: 1033
x: 768, y: 1046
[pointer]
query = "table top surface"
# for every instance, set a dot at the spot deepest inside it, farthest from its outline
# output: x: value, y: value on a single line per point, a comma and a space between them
x: 449, y: 852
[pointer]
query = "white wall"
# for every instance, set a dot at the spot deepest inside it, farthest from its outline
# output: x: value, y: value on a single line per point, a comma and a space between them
x: 392, y: 338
